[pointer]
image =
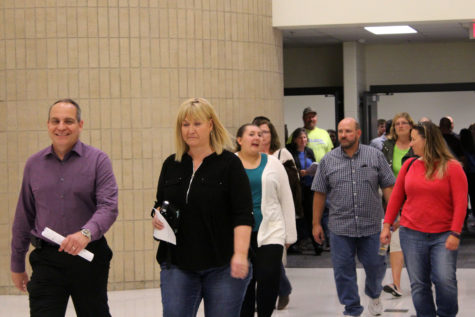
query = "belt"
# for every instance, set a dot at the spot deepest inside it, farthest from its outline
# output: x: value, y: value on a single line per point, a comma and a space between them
x: 40, y: 243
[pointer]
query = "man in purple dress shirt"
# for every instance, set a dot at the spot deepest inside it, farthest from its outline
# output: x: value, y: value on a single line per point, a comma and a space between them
x: 69, y: 187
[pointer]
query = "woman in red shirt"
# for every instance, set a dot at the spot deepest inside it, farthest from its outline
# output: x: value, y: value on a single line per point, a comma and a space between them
x: 433, y: 190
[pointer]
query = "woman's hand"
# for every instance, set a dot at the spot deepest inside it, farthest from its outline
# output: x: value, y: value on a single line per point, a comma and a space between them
x: 385, y: 236
x: 452, y: 243
x: 157, y: 224
x: 239, y: 266
x: 303, y: 173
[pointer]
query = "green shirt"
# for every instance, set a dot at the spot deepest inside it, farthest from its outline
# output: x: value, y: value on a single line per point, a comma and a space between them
x: 398, y: 154
x: 255, y: 179
x: 319, y: 141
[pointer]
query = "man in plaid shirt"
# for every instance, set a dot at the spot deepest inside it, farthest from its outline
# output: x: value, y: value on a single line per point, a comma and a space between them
x: 348, y: 178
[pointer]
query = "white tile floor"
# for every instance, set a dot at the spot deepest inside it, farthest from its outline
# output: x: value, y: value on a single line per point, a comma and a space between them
x: 313, y: 294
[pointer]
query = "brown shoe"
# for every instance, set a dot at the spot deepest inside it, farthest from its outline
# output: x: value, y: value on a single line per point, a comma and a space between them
x: 282, y: 302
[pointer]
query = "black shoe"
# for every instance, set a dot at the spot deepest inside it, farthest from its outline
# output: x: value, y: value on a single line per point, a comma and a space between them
x: 294, y: 249
x: 318, y: 250
x: 283, y: 302
x: 393, y: 290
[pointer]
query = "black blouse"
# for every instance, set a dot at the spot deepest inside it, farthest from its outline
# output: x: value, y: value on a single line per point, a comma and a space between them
x: 218, y: 199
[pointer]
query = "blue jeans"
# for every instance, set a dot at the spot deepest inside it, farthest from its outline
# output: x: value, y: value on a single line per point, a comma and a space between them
x: 183, y: 290
x: 343, y: 254
x: 428, y: 261
x: 325, y: 218
x: 285, y: 288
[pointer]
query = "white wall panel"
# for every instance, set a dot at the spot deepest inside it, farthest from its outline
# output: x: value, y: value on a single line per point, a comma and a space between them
x: 294, y: 105
x: 435, y: 105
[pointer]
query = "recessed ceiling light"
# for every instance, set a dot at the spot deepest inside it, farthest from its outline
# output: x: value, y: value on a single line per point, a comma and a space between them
x: 394, y: 29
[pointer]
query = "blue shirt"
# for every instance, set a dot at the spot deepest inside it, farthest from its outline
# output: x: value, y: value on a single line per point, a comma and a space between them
x: 305, y: 163
x: 378, y: 142
x: 255, y: 179
x: 351, y: 185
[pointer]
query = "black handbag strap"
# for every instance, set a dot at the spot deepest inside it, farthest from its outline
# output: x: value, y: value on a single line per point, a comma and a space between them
x: 407, y: 170
x: 411, y: 164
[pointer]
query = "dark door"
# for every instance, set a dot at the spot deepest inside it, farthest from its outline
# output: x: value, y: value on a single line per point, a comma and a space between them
x: 368, y: 117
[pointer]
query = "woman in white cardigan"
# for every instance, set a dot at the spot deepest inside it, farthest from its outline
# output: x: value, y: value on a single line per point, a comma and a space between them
x: 271, y: 145
x: 274, y: 218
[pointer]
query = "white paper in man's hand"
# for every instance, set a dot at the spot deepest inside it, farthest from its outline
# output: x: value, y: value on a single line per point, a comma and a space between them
x: 166, y: 234
x: 58, y: 239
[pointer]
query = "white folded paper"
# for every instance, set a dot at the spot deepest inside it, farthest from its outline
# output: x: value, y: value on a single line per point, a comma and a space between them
x: 57, y: 238
x: 166, y: 234
x: 312, y: 169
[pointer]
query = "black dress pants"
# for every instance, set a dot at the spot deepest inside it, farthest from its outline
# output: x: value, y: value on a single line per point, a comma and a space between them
x: 266, y: 262
x: 58, y: 275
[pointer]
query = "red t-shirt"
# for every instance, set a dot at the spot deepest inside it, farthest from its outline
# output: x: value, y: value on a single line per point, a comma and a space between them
x: 431, y: 206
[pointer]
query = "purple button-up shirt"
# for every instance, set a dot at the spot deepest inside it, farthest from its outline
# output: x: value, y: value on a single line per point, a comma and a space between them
x: 64, y: 195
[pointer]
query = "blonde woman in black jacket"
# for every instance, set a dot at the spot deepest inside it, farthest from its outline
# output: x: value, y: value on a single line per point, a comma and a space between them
x: 209, y: 186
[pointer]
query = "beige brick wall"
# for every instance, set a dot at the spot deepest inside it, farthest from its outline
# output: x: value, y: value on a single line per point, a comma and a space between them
x: 129, y: 64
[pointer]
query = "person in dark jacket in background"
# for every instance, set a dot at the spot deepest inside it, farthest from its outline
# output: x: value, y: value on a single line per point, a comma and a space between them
x: 468, y: 147
x: 445, y: 126
x: 333, y: 137
x: 304, y: 158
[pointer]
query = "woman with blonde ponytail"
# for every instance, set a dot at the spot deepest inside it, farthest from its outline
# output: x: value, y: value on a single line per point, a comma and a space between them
x: 433, y: 189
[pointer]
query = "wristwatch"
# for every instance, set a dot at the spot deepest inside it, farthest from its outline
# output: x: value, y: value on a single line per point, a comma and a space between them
x: 455, y: 234
x: 87, y: 233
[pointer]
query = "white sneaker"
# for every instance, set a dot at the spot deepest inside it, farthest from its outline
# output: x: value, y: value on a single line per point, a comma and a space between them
x: 375, y: 307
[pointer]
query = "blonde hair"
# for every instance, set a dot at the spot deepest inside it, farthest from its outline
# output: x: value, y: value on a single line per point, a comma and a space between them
x: 200, y: 109
x: 436, y: 154
x: 392, y: 132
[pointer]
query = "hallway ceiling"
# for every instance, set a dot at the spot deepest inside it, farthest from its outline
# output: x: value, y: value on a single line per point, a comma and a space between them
x: 427, y: 32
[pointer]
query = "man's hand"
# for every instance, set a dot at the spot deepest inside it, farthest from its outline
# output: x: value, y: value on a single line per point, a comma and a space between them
x: 452, y: 243
x: 20, y: 280
x: 318, y: 234
x: 74, y: 243
x: 385, y: 236
x: 239, y: 266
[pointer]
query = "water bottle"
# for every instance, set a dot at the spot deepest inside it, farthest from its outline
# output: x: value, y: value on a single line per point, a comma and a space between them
x: 383, y: 249
x: 163, y: 209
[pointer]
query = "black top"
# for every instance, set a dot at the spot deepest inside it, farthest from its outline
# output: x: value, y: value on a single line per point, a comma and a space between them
x: 218, y: 200
x: 454, y: 145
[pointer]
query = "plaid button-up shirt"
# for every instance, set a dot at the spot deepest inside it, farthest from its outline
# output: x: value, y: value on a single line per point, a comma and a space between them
x: 351, y: 185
